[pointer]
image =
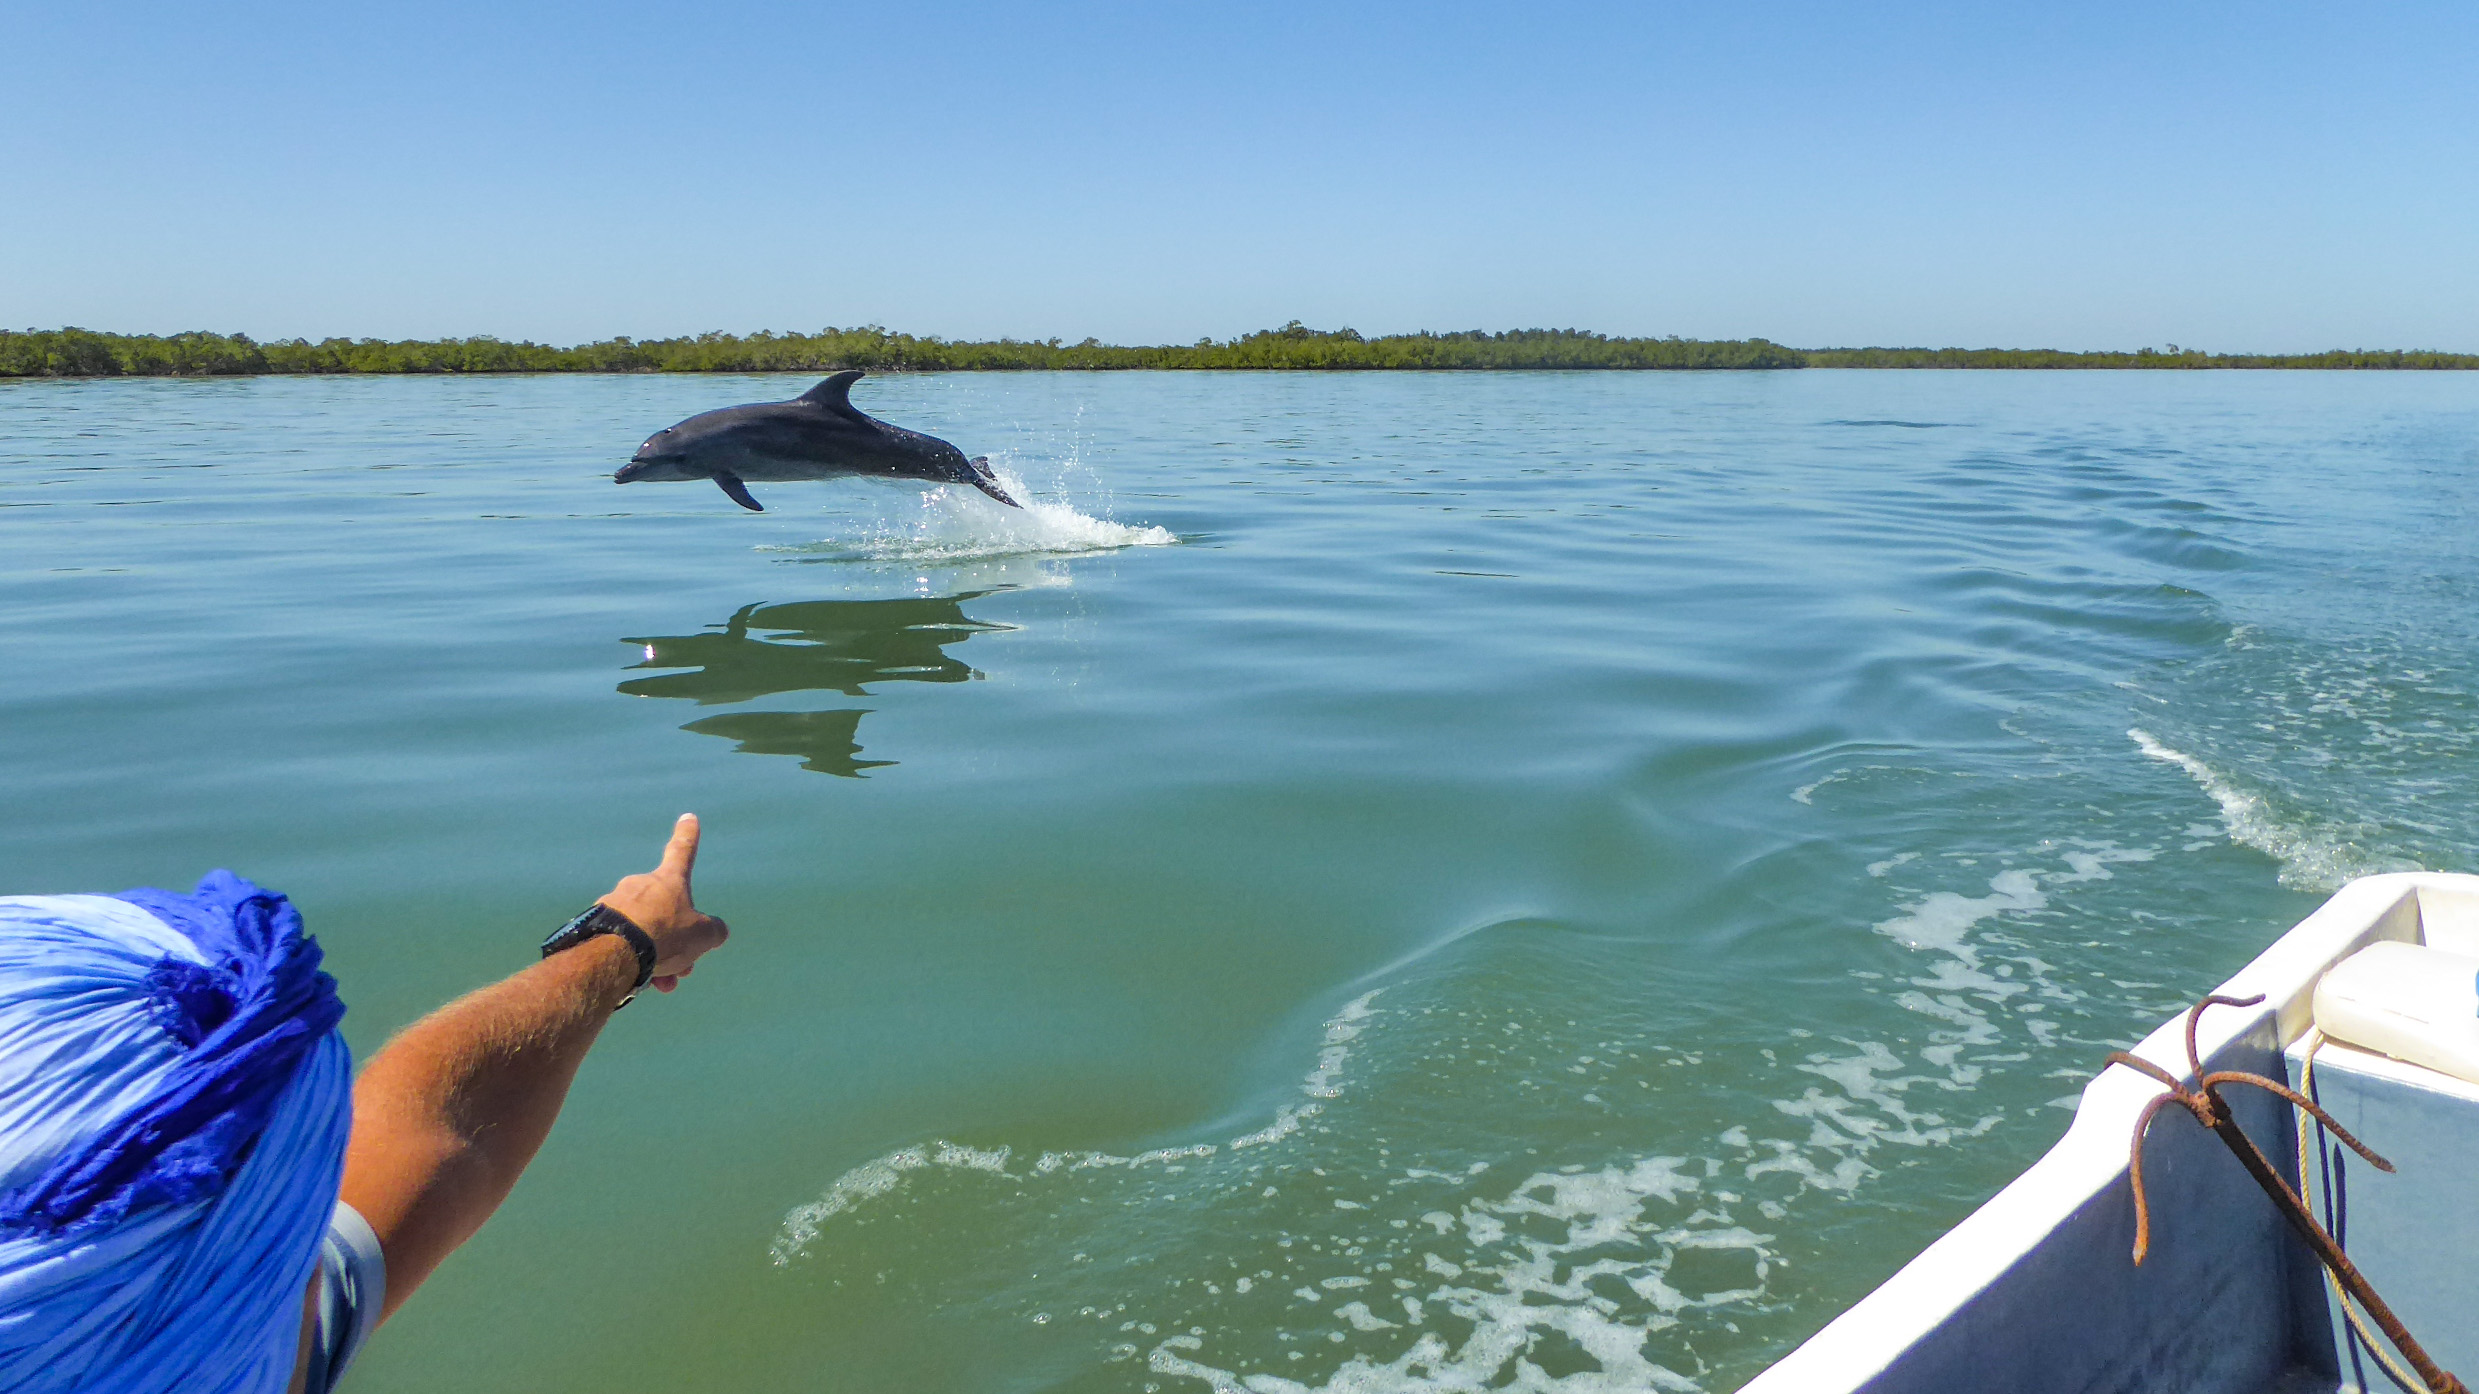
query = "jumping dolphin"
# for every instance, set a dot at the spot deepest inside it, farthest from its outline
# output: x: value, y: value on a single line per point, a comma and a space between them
x: 817, y: 435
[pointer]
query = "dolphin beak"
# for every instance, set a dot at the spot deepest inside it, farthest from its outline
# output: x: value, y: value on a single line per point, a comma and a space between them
x: 630, y: 473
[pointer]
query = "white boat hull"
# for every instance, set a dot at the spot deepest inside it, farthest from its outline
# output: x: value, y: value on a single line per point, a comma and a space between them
x: 2035, y: 1291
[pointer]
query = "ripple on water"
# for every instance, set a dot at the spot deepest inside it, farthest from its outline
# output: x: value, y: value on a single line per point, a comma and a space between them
x: 1274, y: 965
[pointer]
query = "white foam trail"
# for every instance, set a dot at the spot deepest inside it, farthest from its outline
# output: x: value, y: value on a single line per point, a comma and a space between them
x: 2307, y: 862
x: 1325, y: 1082
x: 1973, y: 981
x: 1942, y: 921
x: 2093, y: 863
x: 881, y: 1175
x: 1526, y: 1286
x: 875, y: 1178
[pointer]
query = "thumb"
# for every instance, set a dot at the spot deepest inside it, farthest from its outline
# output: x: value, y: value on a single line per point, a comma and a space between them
x: 680, y: 854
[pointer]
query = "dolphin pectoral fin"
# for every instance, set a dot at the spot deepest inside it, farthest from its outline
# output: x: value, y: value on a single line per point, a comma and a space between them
x: 835, y: 394
x: 739, y: 492
x: 987, y: 482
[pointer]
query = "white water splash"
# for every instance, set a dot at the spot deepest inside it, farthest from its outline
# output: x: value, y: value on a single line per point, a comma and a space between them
x: 951, y: 523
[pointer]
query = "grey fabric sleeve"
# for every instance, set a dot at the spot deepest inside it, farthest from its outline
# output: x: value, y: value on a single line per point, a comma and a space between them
x: 352, y: 1289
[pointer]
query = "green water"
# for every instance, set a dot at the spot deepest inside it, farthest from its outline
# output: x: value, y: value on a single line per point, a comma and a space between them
x: 1384, y: 882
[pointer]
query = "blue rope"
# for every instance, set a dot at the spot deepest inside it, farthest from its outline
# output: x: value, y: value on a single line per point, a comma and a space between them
x: 174, y: 1102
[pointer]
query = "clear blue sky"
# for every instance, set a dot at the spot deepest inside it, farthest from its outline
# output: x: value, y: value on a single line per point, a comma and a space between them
x: 2236, y: 177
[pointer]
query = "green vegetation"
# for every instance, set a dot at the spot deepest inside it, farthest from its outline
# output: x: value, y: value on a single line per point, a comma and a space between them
x: 2174, y: 357
x: 85, y: 353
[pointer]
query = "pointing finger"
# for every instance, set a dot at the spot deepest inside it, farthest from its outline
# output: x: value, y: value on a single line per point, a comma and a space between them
x: 680, y: 854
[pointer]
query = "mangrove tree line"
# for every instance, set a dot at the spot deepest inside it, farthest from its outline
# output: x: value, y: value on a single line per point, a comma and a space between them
x: 87, y: 353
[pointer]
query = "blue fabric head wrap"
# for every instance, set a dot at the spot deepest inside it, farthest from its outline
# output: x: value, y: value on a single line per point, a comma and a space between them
x: 174, y: 1102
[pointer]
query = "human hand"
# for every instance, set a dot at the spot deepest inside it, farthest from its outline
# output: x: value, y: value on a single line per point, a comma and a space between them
x: 658, y: 902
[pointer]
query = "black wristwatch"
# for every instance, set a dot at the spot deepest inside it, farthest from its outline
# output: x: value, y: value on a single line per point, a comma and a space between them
x: 602, y: 919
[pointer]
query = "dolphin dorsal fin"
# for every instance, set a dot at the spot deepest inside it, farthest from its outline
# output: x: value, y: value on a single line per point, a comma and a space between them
x: 834, y: 394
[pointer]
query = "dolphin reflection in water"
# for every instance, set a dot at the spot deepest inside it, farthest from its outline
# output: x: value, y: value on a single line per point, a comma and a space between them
x: 839, y: 646
x: 817, y: 435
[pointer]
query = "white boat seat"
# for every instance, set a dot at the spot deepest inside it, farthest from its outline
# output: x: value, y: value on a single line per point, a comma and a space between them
x: 2408, y: 1001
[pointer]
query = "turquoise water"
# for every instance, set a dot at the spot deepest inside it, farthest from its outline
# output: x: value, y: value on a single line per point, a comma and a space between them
x: 1382, y: 882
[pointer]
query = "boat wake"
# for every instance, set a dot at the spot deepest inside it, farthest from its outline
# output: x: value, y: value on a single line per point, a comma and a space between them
x: 1590, y: 1228
x: 878, y: 1177
x: 1454, y: 1272
x: 1445, y: 1278
x: 2308, y: 862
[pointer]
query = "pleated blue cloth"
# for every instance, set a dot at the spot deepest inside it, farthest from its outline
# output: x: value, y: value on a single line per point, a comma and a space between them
x: 174, y: 1102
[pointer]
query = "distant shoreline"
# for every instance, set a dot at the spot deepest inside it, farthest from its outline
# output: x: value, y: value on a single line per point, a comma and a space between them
x: 82, y: 353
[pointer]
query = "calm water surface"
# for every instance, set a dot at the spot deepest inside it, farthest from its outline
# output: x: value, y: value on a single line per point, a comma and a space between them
x: 1385, y: 882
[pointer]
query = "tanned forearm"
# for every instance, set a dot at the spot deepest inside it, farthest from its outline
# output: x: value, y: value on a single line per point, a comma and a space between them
x: 447, y: 1116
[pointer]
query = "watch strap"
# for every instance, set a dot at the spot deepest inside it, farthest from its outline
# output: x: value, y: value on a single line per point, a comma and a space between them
x: 597, y: 920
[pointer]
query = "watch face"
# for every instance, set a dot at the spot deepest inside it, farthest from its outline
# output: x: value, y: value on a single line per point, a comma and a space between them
x: 600, y: 919
x: 570, y: 934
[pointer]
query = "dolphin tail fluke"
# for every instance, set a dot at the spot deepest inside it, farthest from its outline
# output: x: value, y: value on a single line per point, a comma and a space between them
x: 738, y: 491
x: 987, y: 482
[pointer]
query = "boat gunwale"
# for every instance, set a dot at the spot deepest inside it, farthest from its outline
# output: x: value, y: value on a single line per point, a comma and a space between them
x: 1872, y: 1336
